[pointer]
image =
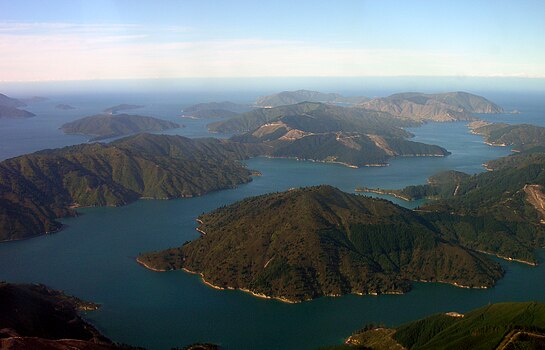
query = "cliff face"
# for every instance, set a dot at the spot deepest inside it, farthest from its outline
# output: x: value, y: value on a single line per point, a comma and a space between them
x: 316, y: 241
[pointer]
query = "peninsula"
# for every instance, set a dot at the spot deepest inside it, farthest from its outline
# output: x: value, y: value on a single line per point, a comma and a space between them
x: 41, y: 187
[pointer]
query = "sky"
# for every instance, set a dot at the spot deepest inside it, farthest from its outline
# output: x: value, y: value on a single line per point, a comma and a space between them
x: 60, y: 40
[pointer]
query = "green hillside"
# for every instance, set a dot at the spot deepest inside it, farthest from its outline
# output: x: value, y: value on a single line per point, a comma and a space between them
x: 500, y: 212
x: 337, y: 244
x: 523, y: 137
x: 498, y: 326
x: 38, y: 188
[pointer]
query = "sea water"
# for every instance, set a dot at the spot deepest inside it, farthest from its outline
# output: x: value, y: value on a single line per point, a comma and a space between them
x: 94, y: 256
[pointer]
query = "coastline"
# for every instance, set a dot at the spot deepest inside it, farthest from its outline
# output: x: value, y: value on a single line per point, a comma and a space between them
x: 508, y: 258
x: 147, y: 266
x: 383, y: 192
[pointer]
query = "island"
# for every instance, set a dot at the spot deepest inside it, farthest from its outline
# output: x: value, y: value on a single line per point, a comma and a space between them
x: 105, y: 126
x: 33, y: 316
x: 41, y: 187
x: 338, y: 243
x: 442, y: 107
x: 510, y: 325
x: 321, y: 132
x: 121, y: 107
x: 9, y: 108
x: 293, y: 97
x: 224, y: 109
x: 64, y: 107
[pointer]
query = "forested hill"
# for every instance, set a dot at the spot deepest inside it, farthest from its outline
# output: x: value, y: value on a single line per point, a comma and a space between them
x: 38, y: 188
x: 524, y: 137
x: 337, y: 243
x: 501, y: 211
x: 450, y: 106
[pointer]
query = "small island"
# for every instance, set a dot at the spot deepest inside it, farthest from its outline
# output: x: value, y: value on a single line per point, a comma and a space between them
x: 121, y: 107
x: 105, y: 126
x: 64, y: 107
x: 338, y: 243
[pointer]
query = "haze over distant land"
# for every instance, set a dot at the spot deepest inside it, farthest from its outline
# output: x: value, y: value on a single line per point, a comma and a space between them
x: 10, y: 108
x: 104, y: 126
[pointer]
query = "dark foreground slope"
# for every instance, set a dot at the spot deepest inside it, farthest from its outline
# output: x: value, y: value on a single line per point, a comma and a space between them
x: 496, y: 326
x: 316, y: 241
x: 36, y: 317
x: 38, y: 188
x: 105, y: 126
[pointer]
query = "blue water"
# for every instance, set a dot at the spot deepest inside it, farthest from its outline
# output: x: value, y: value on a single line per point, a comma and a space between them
x: 93, y: 257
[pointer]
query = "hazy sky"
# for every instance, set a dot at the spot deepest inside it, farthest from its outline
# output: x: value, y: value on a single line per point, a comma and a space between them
x: 107, y: 39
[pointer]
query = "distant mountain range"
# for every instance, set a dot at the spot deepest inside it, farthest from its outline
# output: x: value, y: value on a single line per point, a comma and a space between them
x: 105, y: 126
x: 38, y: 188
x: 310, y: 242
x: 292, y: 97
x: 450, y: 106
x: 9, y: 108
x: 498, y: 326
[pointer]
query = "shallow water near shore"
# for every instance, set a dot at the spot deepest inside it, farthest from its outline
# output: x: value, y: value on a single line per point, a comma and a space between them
x: 94, y: 258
